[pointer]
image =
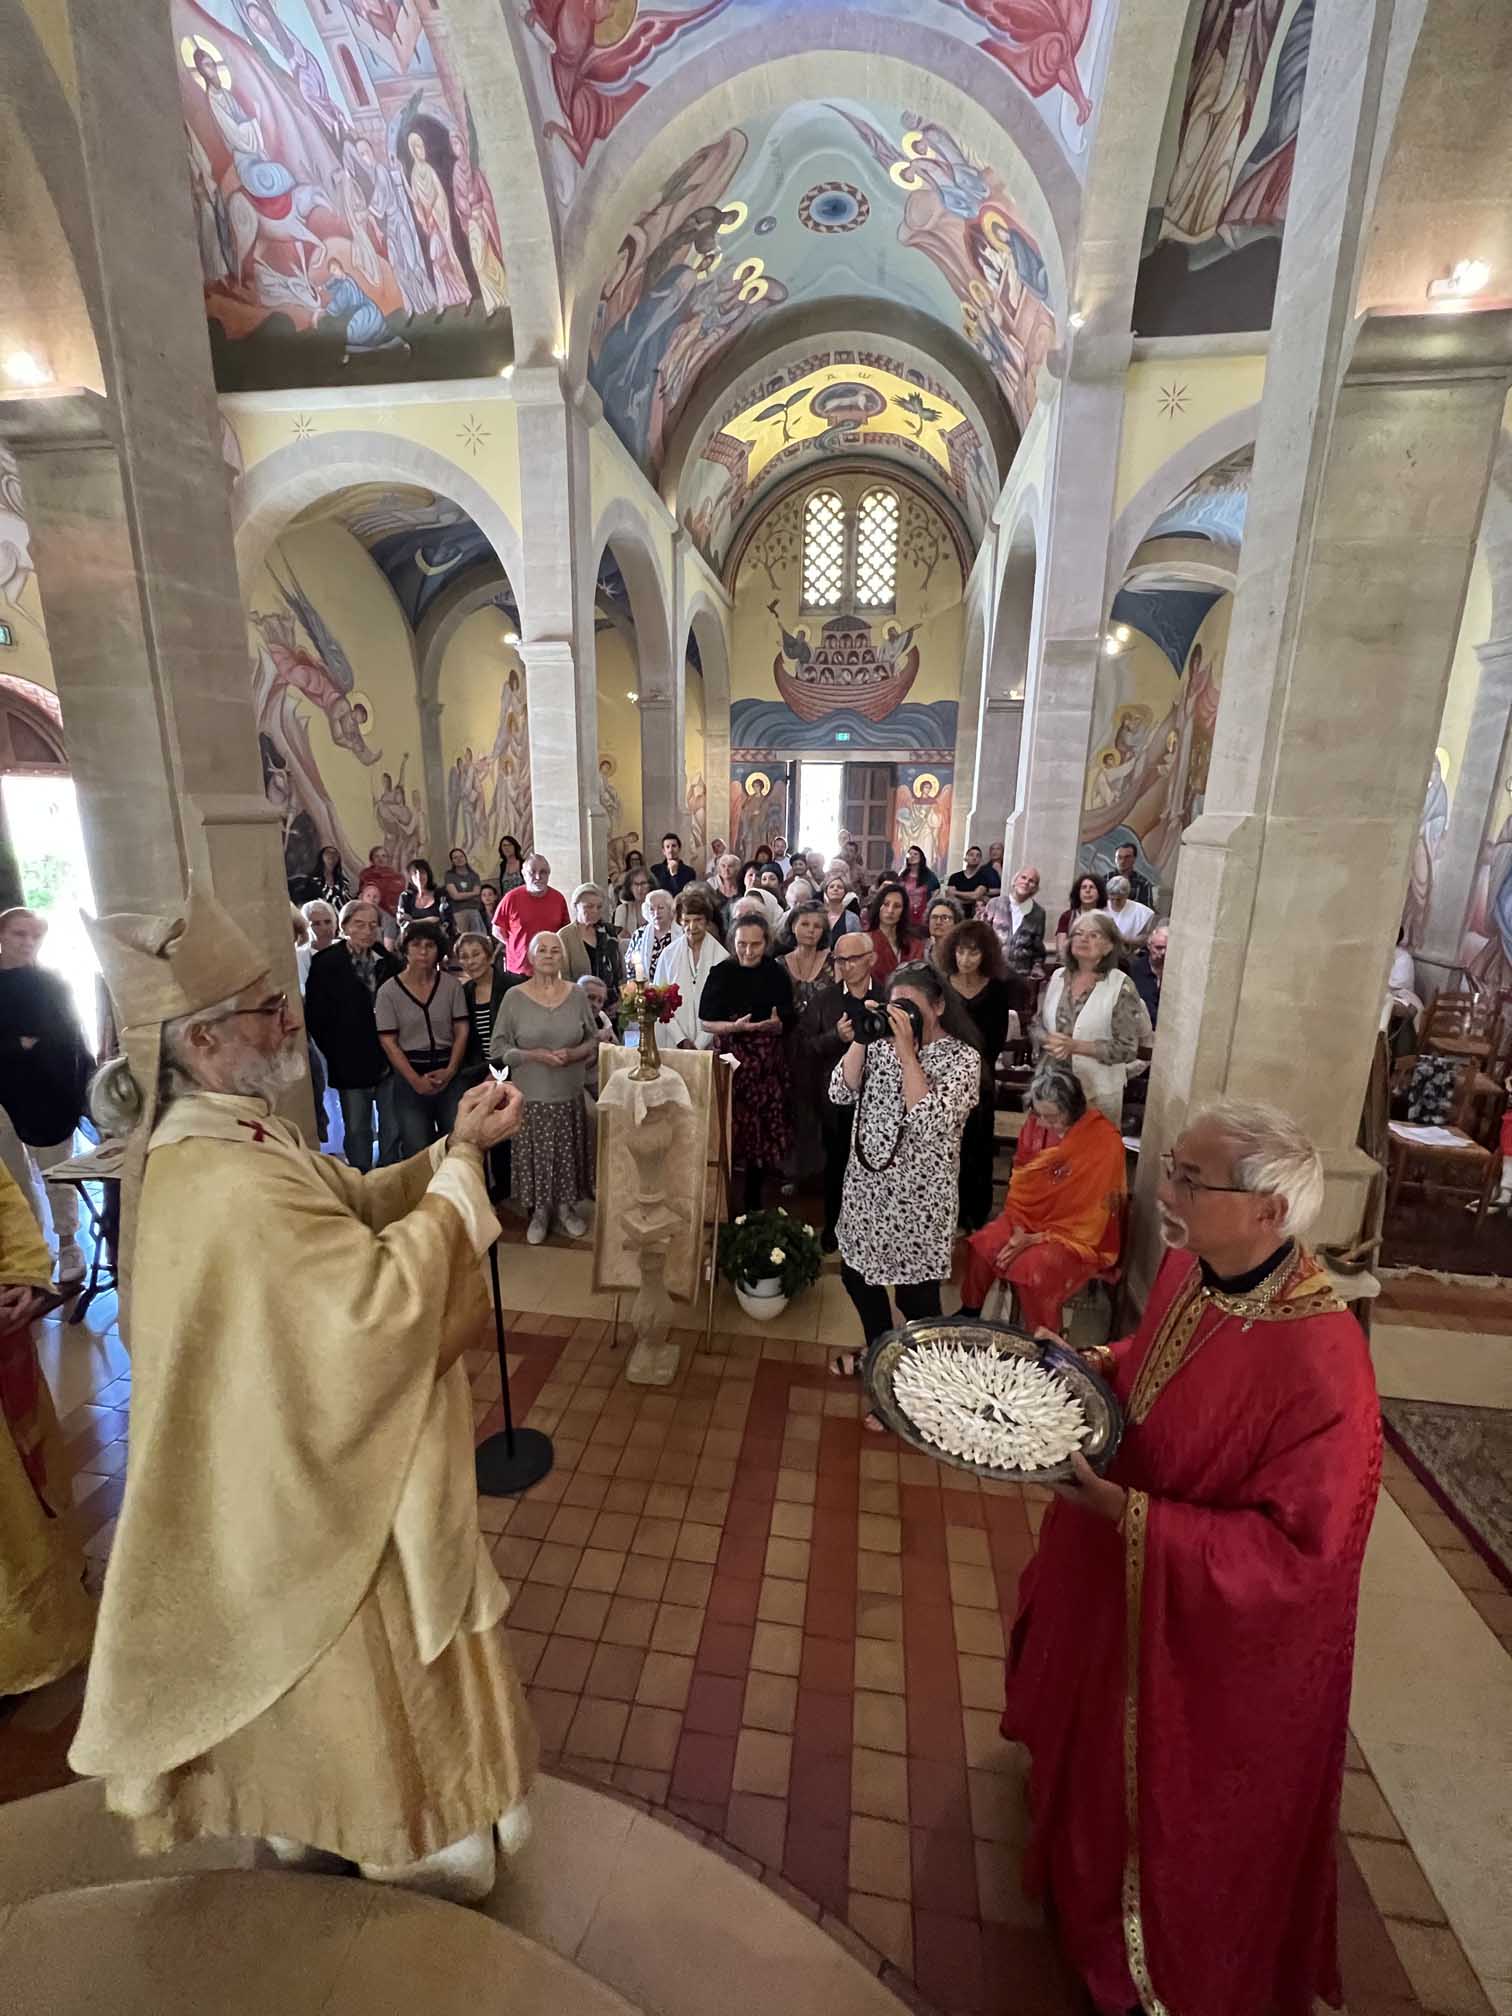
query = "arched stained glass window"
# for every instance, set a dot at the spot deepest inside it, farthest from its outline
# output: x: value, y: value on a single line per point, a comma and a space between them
x: 823, y: 550
x: 877, y: 550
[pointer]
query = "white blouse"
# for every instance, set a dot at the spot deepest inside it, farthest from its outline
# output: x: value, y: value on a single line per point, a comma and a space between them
x: 679, y: 967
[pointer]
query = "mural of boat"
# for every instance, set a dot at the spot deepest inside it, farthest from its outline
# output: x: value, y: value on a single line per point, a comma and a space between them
x: 847, y: 668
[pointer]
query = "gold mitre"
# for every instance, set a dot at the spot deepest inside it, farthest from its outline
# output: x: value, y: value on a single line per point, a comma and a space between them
x: 158, y: 968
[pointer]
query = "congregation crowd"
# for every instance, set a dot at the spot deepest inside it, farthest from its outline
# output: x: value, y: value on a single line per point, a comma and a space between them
x: 416, y: 988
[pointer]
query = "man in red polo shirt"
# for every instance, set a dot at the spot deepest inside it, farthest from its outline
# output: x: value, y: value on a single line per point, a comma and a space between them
x: 523, y: 912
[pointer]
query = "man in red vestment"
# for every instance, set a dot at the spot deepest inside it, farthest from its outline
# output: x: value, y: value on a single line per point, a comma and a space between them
x: 1180, y: 1666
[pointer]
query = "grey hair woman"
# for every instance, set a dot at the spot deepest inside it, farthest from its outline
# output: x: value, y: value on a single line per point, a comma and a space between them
x: 1091, y: 1016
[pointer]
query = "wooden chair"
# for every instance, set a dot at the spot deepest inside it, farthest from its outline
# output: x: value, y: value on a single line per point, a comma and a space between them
x: 1460, y: 1025
x: 1457, y: 1163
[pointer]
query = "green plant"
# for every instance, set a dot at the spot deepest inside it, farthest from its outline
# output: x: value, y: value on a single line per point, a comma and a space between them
x: 759, y: 1244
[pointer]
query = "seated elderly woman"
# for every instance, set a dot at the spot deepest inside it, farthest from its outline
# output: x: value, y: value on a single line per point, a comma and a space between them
x: 1061, y: 1220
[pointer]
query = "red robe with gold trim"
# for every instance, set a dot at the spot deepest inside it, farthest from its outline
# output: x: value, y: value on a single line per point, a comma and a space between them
x: 1183, y: 1683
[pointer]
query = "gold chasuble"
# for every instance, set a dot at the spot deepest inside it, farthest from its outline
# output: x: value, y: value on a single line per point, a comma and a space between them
x: 46, y: 1619
x: 298, y: 1634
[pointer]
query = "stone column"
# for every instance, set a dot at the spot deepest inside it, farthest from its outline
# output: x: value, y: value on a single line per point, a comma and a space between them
x: 131, y: 531
x: 433, y: 778
x: 663, y: 718
x: 999, y: 741
x: 556, y: 615
x: 1371, y: 465
x: 1045, y: 825
x: 1480, y: 767
x: 562, y: 821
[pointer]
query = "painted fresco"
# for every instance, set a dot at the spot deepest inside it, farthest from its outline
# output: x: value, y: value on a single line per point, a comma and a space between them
x: 334, y: 168
x: 732, y: 237
x: 420, y: 542
x: 922, y: 800
x: 338, y: 760
x: 488, y: 791
x: 1427, y: 846
x: 593, y: 61
x: 758, y: 807
x: 1223, y: 179
x: 1486, y: 947
x: 1152, y: 745
x: 832, y: 402
x: 19, y: 602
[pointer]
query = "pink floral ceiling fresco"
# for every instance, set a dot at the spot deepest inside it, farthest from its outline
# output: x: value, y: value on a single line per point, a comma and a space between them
x: 594, y: 61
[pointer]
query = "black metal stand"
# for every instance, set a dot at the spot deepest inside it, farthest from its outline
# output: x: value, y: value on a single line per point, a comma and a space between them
x: 515, y: 1458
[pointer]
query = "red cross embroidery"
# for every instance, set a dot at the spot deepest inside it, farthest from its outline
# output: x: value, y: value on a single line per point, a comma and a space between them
x: 259, y: 1132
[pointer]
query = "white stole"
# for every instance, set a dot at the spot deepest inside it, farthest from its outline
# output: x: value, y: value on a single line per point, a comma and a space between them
x: 1102, y: 1083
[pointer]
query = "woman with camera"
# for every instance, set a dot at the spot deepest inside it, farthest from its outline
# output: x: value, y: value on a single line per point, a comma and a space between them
x: 912, y: 1085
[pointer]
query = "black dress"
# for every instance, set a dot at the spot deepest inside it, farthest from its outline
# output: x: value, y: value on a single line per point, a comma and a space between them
x: 44, y: 1060
x: 811, y: 1059
x: 989, y: 1011
x: 761, y: 1116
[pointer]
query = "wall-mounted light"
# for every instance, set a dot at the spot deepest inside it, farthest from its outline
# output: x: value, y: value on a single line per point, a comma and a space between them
x: 1122, y: 632
x: 560, y: 354
x: 23, y: 367
x: 511, y: 638
x: 1466, y: 278
x: 508, y: 372
x: 1078, y: 320
x: 635, y: 697
x: 1016, y: 692
x: 1111, y: 646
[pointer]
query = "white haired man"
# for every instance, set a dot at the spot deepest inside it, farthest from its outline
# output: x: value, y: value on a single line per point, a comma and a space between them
x: 299, y: 1636
x: 1182, y: 1657
x: 525, y: 912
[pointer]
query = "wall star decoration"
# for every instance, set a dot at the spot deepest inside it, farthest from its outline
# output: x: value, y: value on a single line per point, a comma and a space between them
x: 1173, y: 400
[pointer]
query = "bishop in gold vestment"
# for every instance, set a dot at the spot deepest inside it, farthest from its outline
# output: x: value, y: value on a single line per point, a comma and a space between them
x: 299, y: 1635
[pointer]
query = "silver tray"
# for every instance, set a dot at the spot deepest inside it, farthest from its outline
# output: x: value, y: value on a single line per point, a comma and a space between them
x: 1104, y: 1415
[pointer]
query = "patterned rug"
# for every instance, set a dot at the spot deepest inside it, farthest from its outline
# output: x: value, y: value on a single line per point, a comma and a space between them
x: 1464, y: 1457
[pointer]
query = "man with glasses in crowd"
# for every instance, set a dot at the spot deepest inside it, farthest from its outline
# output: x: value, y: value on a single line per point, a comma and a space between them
x: 1182, y: 1658
x: 300, y: 1635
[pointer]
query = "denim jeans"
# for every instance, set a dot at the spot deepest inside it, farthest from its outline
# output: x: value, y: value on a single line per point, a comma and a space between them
x: 421, y: 1118
x: 357, y: 1104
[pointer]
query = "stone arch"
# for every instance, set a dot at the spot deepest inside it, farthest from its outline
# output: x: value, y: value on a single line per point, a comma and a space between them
x: 707, y: 623
x: 1005, y: 677
x: 52, y: 299
x: 275, y: 490
x: 1161, y: 489
x: 739, y: 77
x: 973, y: 682
x: 660, y: 682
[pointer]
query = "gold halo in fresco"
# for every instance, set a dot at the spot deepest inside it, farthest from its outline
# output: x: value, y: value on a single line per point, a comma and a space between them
x: 190, y: 47
x: 758, y: 777
x: 615, y: 24
x: 733, y: 217
x: 926, y: 785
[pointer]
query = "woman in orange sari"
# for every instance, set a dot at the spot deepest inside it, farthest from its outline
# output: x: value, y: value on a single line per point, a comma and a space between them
x: 46, y: 1619
x: 1060, y: 1222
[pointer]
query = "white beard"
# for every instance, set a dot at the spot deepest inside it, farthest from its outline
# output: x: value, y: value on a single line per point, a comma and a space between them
x: 270, y: 1077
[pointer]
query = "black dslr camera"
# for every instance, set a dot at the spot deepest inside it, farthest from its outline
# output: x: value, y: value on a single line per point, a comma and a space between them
x: 872, y: 1026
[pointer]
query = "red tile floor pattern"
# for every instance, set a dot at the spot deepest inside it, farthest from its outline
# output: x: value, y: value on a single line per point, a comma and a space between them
x: 787, y: 1636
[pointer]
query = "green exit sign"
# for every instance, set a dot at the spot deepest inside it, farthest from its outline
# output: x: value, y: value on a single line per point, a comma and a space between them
x: 7, y: 636
x: 842, y: 734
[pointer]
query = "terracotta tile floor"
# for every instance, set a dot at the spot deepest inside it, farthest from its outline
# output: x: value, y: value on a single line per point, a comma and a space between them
x: 734, y: 1605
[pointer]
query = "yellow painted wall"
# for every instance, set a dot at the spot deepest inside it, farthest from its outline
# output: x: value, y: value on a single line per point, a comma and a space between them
x: 619, y: 747
x: 696, y: 831
x: 1169, y: 402
x: 481, y: 436
x: 1465, y: 673
x: 358, y: 609
x: 613, y: 477
x: 928, y: 596
x: 485, y: 740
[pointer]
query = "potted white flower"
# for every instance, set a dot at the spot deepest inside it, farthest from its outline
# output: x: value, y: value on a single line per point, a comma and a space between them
x: 766, y: 1256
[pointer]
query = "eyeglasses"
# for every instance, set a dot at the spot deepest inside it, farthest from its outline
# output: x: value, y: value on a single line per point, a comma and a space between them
x: 1190, y: 1184
x: 279, y: 1005
x: 849, y: 958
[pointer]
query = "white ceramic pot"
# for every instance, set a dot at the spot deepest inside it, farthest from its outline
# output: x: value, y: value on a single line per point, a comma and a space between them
x: 762, y: 1299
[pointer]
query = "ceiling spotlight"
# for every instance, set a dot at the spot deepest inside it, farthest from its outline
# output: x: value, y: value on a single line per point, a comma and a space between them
x: 507, y: 372
x: 633, y: 696
x: 1467, y: 277
x: 1078, y: 319
x: 511, y: 638
x: 1122, y: 632
x: 22, y: 368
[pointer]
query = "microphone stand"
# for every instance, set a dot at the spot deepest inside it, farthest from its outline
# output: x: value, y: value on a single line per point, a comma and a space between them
x: 515, y: 1458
